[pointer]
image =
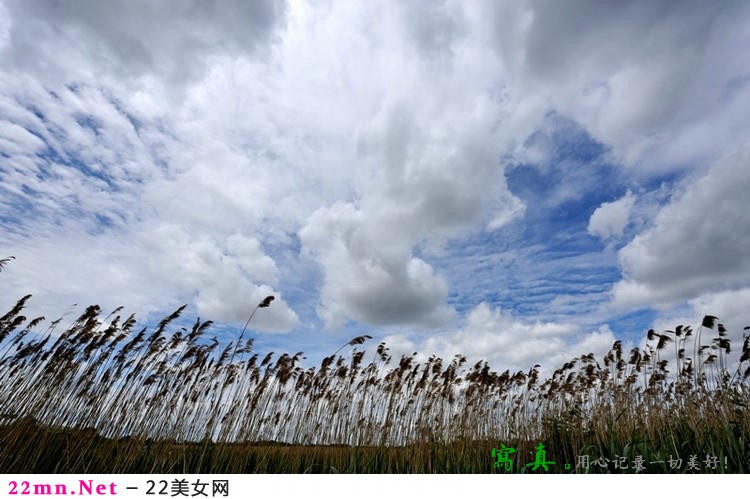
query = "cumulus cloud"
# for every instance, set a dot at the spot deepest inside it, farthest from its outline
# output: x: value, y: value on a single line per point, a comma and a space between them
x: 658, y: 82
x: 507, y: 342
x: 139, y: 38
x: 699, y: 242
x: 609, y: 219
x: 370, y: 277
x: 429, y: 158
x: 226, y: 278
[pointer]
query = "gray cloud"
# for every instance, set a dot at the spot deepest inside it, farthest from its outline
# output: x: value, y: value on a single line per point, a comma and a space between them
x: 137, y: 38
x: 651, y: 79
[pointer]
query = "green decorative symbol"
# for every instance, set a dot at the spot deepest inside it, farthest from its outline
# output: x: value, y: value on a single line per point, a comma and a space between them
x: 502, y: 456
x: 540, y: 459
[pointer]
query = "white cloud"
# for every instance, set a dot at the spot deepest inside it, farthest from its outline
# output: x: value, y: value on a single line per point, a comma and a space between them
x: 252, y: 259
x: 514, y: 209
x: 171, y: 150
x: 106, y: 196
x: 506, y: 342
x: 609, y: 219
x: 148, y: 272
x: 699, y: 242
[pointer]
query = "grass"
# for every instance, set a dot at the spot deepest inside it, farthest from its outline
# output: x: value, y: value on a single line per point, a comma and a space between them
x: 103, y: 396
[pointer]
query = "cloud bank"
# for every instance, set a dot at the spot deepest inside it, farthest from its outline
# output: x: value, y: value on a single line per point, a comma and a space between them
x: 378, y: 165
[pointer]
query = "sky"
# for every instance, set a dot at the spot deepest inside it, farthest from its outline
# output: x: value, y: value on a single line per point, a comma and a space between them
x: 517, y: 181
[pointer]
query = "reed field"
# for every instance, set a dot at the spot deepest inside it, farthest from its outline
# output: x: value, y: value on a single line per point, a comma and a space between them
x: 103, y: 395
